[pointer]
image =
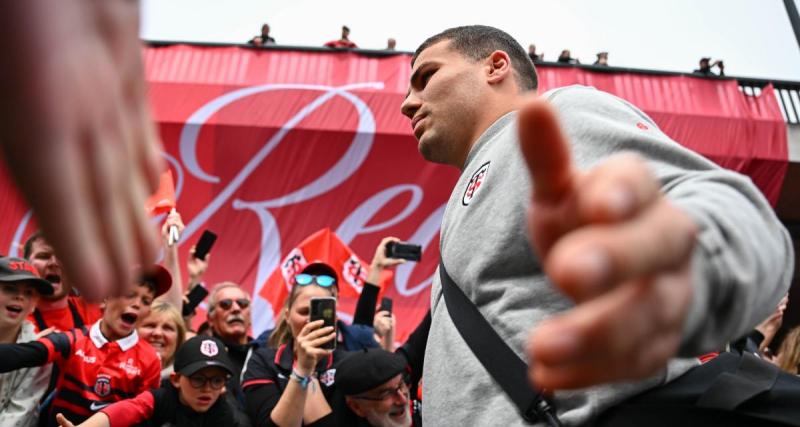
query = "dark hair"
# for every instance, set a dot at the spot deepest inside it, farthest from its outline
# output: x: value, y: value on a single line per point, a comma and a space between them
x: 477, y: 42
x: 27, y: 249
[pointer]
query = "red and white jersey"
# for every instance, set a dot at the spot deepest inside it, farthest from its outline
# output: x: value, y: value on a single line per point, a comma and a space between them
x: 95, y: 372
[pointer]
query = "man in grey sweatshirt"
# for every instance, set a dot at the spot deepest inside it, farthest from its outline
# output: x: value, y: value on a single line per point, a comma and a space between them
x: 599, y: 249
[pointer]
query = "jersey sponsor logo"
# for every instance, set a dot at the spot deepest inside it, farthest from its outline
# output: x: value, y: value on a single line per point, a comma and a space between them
x: 475, y: 184
x: 327, y: 377
x: 354, y: 273
x: 95, y: 406
x: 130, y: 368
x: 209, y: 348
x: 102, y: 386
x: 84, y: 357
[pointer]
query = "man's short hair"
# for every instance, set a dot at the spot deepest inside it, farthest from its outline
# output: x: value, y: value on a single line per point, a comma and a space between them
x: 477, y: 42
x: 27, y: 249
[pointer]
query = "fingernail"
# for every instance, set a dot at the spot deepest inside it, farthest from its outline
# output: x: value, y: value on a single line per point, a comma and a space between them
x: 619, y: 201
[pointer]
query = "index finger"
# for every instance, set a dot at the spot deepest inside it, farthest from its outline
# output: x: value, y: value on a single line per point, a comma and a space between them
x: 546, y: 151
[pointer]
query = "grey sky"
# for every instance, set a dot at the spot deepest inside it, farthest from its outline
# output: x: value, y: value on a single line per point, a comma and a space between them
x: 754, y: 37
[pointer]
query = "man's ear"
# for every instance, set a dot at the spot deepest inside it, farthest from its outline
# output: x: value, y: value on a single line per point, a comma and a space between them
x: 174, y: 379
x: 498, y: 67
x: 355, y: 407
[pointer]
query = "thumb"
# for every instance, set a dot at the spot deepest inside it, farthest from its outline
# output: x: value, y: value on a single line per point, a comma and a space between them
x: 546, y: 151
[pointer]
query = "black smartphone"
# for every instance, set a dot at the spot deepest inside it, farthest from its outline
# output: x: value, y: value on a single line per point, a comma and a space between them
x: 407, y: 251
x: 204, y: 245
x: 324, y: 308
x: 195, y: 296
x: 386, y: 305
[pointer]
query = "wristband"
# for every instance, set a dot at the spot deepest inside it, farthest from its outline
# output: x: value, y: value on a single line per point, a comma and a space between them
x: 303, y: 381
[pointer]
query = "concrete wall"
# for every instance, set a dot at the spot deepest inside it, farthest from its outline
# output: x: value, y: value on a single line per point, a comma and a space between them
x: 794, y: 143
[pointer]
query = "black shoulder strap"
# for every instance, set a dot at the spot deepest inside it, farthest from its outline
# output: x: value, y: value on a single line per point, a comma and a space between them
x: 77, y: 320
x: 37, y: 315
x: 505, y: 367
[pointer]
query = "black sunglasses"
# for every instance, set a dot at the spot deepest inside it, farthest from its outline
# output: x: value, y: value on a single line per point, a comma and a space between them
x: 227, y: 303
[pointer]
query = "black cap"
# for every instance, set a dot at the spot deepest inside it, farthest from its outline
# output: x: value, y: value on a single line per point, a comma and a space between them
x: 18, y: 270
x: 318, y: 267
x: 364, y: 370
x: 200, y: 352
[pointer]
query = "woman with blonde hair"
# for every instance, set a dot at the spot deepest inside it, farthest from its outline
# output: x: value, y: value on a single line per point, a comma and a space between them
x: 789, y: 352
x: 165, y: 331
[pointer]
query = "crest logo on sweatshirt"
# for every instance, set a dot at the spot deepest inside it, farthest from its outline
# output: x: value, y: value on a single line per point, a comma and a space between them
x: 475, y: 184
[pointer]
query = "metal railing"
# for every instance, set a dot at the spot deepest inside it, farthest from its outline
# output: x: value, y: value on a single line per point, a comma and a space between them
x: 786, y: 92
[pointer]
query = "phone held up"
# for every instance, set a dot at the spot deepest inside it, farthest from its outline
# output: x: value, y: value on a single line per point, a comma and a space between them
x: 408, y: 251
x: 386, y: 305
x: 204, y: 244
x: 195, y: 296
x: 324, y: 308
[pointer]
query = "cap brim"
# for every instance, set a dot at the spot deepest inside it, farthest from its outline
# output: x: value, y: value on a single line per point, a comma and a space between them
x: 192, y: 368
x: 161, y: 277
x: 42, y: 286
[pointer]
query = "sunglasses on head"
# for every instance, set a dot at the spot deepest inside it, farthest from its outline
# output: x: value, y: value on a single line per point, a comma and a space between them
x: 306, y: 279
x: 227, y: 303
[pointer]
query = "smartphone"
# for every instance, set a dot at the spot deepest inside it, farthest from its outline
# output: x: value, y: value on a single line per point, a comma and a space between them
x: 407, y: 251
x: 195, y: 296
x: 204, y: 245
x: 324, y: 308
x: 386, y: 305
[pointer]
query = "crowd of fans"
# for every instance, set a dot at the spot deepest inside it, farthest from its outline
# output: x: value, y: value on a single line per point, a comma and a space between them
x: 135, y: 359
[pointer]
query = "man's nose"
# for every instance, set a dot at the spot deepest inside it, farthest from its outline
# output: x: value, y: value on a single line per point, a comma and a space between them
x: 410, y: 105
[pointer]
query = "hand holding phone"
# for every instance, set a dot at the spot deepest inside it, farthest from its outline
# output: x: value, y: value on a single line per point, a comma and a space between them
x: 386, y: 305
x: 407, y: 251
x: 324, y: 308
x: 204, y: 245
x: 195, y: 297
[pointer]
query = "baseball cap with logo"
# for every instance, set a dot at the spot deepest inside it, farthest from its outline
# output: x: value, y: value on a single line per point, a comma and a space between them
x: 17, y: 270
x: 200, y: 352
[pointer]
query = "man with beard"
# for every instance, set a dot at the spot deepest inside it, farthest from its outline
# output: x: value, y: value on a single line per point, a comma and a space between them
x: 229, y: 320
x: 378, y: 385
x: 59, y: 310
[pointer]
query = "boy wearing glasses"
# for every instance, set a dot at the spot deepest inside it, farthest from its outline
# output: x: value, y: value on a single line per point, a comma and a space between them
x: 191, y: 398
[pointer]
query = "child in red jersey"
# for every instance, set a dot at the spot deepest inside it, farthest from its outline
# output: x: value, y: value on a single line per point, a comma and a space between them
x: 102, y: 365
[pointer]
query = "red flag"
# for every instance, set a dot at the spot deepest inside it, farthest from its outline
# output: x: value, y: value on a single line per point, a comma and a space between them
x: 324, y: 246
x: 163, y: 200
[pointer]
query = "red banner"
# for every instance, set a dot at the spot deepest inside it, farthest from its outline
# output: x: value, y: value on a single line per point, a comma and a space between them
x: 268, y: 147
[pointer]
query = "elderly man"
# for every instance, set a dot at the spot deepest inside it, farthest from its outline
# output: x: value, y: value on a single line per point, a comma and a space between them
x: 628, y: 261
x: 20, y: 390
x: 229, y: 321
x: 375, y: 385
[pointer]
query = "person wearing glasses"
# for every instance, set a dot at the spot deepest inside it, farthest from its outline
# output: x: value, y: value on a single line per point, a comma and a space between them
x: 293, y: 384
x: 190, y: 398
x: 376, y: 386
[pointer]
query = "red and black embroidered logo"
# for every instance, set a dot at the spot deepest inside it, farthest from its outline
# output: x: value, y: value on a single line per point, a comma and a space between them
x: 475, y: 184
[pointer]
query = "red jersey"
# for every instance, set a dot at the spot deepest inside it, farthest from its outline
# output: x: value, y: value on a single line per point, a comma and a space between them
x: 93, y: 371
x: 68, y: 317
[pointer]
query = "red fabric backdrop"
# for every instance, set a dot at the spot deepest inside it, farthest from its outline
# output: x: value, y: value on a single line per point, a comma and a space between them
x: 267, y: 147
